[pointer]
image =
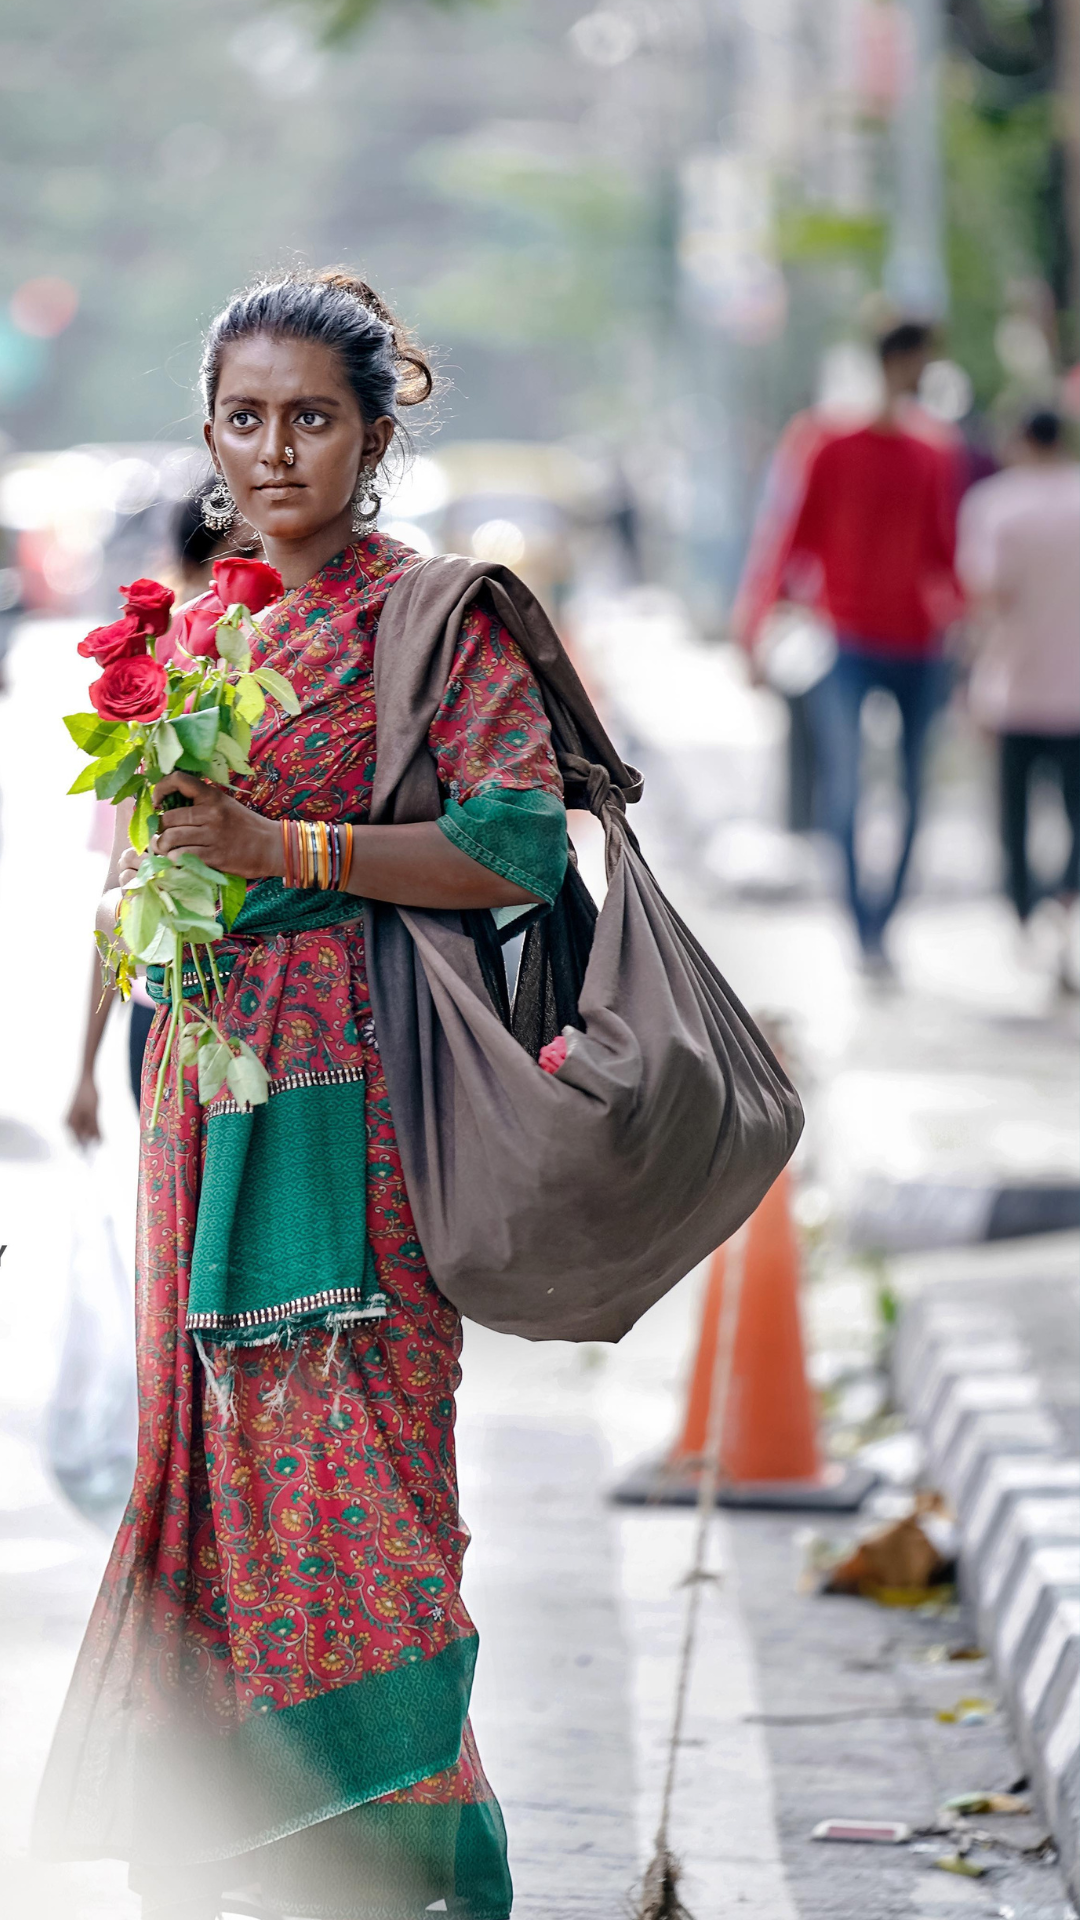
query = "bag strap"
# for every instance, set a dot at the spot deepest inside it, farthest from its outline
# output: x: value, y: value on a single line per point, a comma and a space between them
x: 414, y: 650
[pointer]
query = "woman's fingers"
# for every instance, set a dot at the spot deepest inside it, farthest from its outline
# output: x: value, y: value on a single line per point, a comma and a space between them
x: 185, y: 783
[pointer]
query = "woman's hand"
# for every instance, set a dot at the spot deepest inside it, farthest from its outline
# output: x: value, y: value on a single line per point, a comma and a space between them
x: 82, y: 1115
x: 223, y: 832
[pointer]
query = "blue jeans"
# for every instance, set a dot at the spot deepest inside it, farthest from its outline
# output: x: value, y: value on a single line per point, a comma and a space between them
x: 919, y: 688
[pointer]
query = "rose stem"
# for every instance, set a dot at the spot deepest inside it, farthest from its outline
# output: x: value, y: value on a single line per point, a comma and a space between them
x: 199, y: 971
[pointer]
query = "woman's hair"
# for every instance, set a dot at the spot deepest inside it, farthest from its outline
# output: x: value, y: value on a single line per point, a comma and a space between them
x: 194, y: 545
x: 1042, y: 427
x: 383, y: 367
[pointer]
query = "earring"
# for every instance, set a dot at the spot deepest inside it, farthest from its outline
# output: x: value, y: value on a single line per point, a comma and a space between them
x: 218, y: 507
x: 366, y: 502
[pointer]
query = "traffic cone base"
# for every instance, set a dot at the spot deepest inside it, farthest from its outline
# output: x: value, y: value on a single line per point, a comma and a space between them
x: 841, y: 1487
x: 769, y: 1453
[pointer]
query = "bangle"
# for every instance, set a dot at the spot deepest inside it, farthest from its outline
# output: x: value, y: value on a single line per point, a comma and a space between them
x: 316, y: 853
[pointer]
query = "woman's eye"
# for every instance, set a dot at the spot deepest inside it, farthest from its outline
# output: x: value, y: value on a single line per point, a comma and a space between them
x: 241, y: 418
x: 309, y: 418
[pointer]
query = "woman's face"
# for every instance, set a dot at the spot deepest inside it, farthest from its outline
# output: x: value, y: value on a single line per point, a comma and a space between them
x: 277, y: 393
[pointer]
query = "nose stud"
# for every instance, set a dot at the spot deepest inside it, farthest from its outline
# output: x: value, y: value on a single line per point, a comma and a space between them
x: 289, y: 456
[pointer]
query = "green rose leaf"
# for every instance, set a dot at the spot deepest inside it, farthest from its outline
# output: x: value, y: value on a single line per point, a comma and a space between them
x: 277, y: 685
x: 93, y: 734
x: 198, y: 928
x: 250, y: 698
x: 232, y: 641
x: 190, y: 1040
x: 214, y: 1061
x: 193, y: 864
x: 140, y: 828
x: 87, y: 779
x: 192, y: 891
x: 140, y: 918
x: 161, y: 948
x: 233, y: 895
x: 233, y: 753
x: 247, y: 1079
x: 197, y: 733
x: 240, y: 729
x: 110, y: 785
x: 169, y: 746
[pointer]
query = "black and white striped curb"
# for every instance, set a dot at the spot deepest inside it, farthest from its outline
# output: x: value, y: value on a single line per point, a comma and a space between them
x: 993, y: 1446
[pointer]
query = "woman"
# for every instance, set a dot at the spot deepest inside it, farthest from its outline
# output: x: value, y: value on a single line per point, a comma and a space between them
x: 271, y: 1703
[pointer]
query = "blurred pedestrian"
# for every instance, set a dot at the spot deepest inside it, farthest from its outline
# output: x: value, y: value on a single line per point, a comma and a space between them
x: 194, y: 548
x: 1019, y: 559
x: 873, y: 546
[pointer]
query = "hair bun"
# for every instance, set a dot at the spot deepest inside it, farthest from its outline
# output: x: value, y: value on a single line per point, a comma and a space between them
x: 416, y: 381
x: 346, y: 282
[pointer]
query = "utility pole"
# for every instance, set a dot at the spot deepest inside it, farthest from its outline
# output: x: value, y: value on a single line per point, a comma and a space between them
x: 915, y: 276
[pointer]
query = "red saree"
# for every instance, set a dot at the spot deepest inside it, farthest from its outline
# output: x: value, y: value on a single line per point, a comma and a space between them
x: 272, y: 1696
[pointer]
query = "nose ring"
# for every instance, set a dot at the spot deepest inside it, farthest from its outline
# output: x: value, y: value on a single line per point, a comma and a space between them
x: 289, y: 456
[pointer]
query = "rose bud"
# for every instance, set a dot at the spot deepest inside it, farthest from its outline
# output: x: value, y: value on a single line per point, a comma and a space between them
x: 552, y: 1056
x: 195, y: 630
x: 134, y: 688
x: 251, y: 582
x: 149, y: 601
x: 116, y: 642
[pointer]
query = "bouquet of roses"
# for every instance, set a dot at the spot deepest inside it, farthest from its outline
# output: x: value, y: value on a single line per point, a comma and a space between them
x: 194, y: 713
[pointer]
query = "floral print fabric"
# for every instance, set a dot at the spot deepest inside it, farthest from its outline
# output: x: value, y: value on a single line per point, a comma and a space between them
x: 294, y: 1524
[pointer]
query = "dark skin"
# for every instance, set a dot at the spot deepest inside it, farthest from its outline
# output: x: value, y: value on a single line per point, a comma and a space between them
x: 275, y: 394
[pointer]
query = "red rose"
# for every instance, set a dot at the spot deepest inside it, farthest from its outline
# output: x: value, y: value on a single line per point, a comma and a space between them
x: 251, y: 582
x: 149, y: 601
x: 118, y: 642
x: 195, y: 630
x: 552, y: 1056
x: 135, y: 688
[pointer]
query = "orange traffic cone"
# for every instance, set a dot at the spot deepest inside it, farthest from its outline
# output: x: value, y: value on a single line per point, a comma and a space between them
x: 752, y: 1355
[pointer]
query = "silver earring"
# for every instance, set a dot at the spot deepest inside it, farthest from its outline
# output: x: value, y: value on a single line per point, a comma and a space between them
x: 366, y: 502
x: 218, y: 508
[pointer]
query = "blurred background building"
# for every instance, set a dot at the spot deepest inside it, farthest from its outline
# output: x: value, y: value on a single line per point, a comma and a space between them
x: 647, y: 233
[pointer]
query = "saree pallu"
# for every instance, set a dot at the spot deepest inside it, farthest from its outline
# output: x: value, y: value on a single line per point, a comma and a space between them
x: 272, y: 1697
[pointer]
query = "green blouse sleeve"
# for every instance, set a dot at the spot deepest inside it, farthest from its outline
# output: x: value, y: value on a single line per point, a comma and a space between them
x: 521, y: 835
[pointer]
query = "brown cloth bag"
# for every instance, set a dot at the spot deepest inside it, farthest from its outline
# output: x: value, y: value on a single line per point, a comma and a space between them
x: 556, y: 1206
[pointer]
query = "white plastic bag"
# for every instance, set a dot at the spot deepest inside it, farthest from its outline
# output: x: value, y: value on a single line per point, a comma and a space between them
x: 92, y: 1419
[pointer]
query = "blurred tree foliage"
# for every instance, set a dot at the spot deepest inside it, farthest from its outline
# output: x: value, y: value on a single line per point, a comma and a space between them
x: 339, y: 20
x: 143, y: 161
x: 1002, y: 227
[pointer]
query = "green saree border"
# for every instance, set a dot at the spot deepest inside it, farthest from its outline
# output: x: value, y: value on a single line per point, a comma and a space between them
x: 294, y: 1767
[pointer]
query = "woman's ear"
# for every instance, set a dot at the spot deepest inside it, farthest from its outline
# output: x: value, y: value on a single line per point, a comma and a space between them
x: 208, y: 436
x: 377, y: 438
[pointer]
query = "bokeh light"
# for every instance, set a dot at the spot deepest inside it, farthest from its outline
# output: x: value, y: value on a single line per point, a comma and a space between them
x: 44, y: 307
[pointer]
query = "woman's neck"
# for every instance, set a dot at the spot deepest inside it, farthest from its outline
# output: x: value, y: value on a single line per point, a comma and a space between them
x: 298, y: 561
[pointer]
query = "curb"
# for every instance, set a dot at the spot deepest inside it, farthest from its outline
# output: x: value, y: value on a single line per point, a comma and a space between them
x: 965, y: 1379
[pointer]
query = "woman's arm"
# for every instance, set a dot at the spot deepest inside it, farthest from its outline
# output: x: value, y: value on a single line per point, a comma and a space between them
x: 82, y: 1115
x: 123, y: 862
x: 411, y: 866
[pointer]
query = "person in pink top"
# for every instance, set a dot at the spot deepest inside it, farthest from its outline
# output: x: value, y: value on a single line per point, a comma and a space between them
x: 1019, y: 557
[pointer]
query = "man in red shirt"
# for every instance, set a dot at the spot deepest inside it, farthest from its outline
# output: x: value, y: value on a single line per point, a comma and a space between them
x: 873, y: 546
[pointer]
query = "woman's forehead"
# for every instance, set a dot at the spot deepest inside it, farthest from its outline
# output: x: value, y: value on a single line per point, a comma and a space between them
x: 274, y: 367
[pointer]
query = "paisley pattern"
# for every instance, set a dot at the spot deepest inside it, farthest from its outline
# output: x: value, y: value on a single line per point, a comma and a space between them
x: 294, y: 1524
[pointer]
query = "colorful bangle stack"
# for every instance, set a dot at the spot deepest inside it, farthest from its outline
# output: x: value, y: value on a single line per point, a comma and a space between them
x: 316, y: 853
